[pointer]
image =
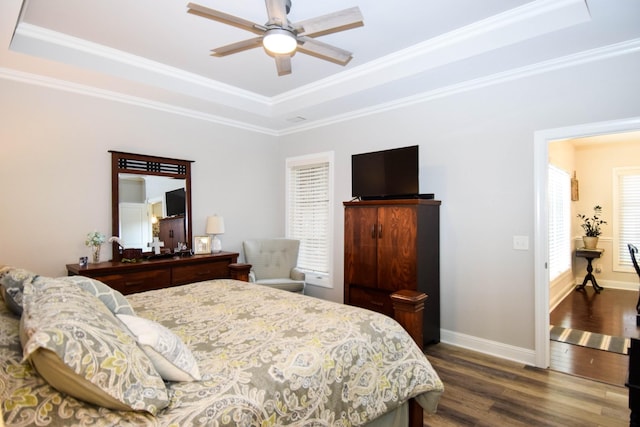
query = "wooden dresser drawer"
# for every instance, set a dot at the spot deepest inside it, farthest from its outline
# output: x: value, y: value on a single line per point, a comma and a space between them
x: 371, y: 299
x: 137, y: 281
x: 163, y: 272
x: 198, y: 272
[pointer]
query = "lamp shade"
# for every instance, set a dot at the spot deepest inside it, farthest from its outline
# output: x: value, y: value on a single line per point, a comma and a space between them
x: 215, y: 225
x: 279, y: 41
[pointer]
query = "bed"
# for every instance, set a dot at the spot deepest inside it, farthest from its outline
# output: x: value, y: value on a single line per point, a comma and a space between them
x: 263, y: 357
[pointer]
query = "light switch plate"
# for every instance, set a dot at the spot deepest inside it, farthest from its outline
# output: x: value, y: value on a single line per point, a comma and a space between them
x: 521, y: 243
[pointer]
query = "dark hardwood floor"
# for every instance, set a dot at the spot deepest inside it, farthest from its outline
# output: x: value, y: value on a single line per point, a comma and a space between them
x: 482, y: 390
x: 611, y: 312
x: 584, y: 387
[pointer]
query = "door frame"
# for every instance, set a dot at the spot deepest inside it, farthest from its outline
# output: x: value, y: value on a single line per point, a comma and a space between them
x: 542, y: 139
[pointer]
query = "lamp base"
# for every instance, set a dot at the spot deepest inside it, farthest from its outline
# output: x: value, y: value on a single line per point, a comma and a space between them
x: 216, y: 245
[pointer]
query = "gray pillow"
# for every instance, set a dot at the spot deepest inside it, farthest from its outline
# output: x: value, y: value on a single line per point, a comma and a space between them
x: 114, y: 300
x: 80, y: 348
x: 12, y: 281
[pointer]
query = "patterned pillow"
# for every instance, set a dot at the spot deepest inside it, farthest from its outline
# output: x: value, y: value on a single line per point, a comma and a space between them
x: 171, y: 358
x: 80, y: 348
x: 12, y: 282
x: 114, y: 300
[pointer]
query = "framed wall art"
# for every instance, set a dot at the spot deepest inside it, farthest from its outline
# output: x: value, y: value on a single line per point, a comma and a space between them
x: 202, y: 245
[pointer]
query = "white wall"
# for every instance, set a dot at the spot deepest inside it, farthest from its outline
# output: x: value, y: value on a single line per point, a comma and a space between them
x: 476, y: 151
x: 55, y: 179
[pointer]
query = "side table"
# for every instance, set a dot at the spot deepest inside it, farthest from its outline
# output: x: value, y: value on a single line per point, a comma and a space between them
x: 590, y: 255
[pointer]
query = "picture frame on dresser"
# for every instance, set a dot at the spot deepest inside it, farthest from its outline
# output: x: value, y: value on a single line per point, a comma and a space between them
x: 202, y: 245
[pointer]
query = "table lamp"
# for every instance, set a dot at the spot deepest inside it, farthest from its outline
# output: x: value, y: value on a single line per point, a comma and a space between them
x: 215, y: 226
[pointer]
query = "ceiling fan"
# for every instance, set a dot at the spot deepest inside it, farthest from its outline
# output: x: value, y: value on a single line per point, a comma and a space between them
x: 282, y: 38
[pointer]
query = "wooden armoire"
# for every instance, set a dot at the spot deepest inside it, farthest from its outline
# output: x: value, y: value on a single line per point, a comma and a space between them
x: 391, y: 245
x: 172, y: 231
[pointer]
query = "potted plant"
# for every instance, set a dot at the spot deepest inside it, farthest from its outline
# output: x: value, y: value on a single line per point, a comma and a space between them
x: 95, y: 240
x: 591, y: 226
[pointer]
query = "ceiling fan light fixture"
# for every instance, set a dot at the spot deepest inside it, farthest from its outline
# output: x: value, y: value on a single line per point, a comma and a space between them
x: 279, y: 41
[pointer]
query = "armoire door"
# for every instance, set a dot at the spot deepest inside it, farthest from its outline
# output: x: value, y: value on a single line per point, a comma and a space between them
x: 397, y: 247
x: 360, y: 246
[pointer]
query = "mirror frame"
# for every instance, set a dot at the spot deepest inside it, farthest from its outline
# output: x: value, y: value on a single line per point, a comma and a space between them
x: 142, y: 164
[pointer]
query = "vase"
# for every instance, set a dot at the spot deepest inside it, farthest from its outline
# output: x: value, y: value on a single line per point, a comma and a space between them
x: 590, y: 242
x: 95, y: 254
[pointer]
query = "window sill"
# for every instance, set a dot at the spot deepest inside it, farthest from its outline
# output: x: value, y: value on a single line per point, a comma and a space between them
x: 318, y: 279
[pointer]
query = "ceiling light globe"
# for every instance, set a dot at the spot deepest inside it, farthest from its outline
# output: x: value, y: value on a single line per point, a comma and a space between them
x: 279, y: 41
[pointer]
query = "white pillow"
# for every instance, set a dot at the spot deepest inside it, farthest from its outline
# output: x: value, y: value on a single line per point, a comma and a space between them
x: 169, y: 355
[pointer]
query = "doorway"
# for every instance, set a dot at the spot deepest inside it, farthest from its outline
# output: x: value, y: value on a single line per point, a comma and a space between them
x: 541, y: 222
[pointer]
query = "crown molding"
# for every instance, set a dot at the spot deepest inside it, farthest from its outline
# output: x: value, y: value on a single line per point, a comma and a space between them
x: 525, y: 22
x: 66, y: 86
x: 74, y: 43
x: 512, y: 26
x: 593, y: 55
x: 42, y: 42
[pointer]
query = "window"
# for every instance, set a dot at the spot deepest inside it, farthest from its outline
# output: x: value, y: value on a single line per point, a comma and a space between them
x: 309, y: 213
x: 559, y: 222
x: 626, y: 221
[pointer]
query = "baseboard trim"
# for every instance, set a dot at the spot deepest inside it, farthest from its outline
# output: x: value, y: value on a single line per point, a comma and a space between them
x: 492, y: 348
x: 611, y: 284
x: 558, y: 296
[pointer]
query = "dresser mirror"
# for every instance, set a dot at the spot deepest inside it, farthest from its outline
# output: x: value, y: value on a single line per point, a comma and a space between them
x: 150, y: 197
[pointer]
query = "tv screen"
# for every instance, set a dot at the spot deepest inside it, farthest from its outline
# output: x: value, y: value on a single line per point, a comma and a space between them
x: 176, y: 202
x: 385, y: 174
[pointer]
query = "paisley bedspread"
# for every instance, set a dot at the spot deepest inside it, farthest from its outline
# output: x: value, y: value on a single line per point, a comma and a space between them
x: 267, y: 358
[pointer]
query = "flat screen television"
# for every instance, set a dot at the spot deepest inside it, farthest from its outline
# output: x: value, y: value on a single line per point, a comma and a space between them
x: 175, y: 201
x: 385, y: 174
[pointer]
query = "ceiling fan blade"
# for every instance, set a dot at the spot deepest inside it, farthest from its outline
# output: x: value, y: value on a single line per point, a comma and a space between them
x: 331, y: 23
x: 323, y: 50
x: 283, y: 64
x: 237, y: 47
x: 225, y: 18
x: 277, y: 11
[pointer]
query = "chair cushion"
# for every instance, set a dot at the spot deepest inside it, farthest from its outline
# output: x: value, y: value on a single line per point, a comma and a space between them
x: 271, y: 258
x: 284, y: 284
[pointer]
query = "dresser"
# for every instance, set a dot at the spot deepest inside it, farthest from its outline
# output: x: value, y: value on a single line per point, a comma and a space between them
x: 159, y: 273
x: 393, y: 245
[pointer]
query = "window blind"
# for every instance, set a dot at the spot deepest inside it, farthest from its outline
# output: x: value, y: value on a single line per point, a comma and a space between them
x: 308, y: 214
x: 627, y: 211
x: 559, y: 192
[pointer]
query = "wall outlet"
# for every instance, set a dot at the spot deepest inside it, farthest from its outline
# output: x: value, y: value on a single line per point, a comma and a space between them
x: 521, y: 243
x: 598, y: 268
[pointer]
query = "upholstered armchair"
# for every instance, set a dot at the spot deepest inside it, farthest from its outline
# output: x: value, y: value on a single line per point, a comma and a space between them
x: 274, y: 263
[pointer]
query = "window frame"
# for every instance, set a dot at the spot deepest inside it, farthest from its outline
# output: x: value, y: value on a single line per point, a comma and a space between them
x: 564, y: 198
x: 316, y: 278
x: 621, y: 257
